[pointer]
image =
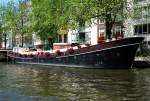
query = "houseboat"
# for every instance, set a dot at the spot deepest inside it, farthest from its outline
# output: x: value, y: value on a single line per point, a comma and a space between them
x: 119, y: 53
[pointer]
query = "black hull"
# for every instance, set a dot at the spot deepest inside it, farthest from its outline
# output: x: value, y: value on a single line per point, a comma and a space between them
x: 118, y: 56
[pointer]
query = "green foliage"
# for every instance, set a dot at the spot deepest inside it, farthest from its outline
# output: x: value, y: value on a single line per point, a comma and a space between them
x: 2, y: 27
x: 48, y: 17
x: 63, y: 14
x: 83, y: 10
x: 10, y: 17
x: 80, y: 11
x: 16, y: 19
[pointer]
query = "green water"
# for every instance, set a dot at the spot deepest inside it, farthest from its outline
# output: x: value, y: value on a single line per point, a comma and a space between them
x: 35, y: 83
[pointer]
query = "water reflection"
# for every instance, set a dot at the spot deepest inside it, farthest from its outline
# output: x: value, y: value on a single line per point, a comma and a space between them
x: 35, y: 83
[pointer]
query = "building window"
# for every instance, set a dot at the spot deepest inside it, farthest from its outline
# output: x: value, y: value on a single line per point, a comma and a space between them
x: 82, y: 37
x: 148, y: 28
x: 135, y: 29
x: 60, y: 38
x: 101, y: 21
x: 142, y: 29
x: 136, y: 1
x: 148, y: 11
x: 137, y: 13
x: 140, y: 12
x: 65, y: 38
x: 145, y: 29
x: 144, y: 11
x: 55, y: 39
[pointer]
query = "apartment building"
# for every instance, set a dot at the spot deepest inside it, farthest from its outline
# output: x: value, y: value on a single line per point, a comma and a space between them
x: 92, y: 34
x: 85, y: 35
x: 139, y: 23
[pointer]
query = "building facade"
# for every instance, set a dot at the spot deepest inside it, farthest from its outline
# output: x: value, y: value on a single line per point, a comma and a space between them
x: 89, y: 34
x: 139, y: 23
x: 86, y: 35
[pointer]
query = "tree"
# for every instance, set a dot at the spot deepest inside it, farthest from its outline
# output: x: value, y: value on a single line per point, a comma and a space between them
x: 49, y: 17
x: 24, y: 20
x: 108, y: 10
x: 16, y: 19
x: 10, y: 20
x: 1, y: 23
x: 3, y: 34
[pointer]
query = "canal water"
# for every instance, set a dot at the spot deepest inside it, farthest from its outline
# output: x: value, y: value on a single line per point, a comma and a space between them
x: 36, y: 83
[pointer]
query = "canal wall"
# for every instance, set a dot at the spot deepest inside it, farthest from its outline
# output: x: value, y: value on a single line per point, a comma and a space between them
x: 140, y: 58
x: 142, y: 62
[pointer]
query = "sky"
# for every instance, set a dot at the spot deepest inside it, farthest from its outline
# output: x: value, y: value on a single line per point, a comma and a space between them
x: 5, y: 1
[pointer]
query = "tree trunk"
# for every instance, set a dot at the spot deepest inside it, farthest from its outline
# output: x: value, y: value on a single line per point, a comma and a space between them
x: 81, y: 25
x: 50, y: 42
x: 5, y: 36
x: 109, y: 24
x: 1, y: 40
x: 13, y: 40
x: 22, y: 33
x: 81, y: 30
x: 22, y: 38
